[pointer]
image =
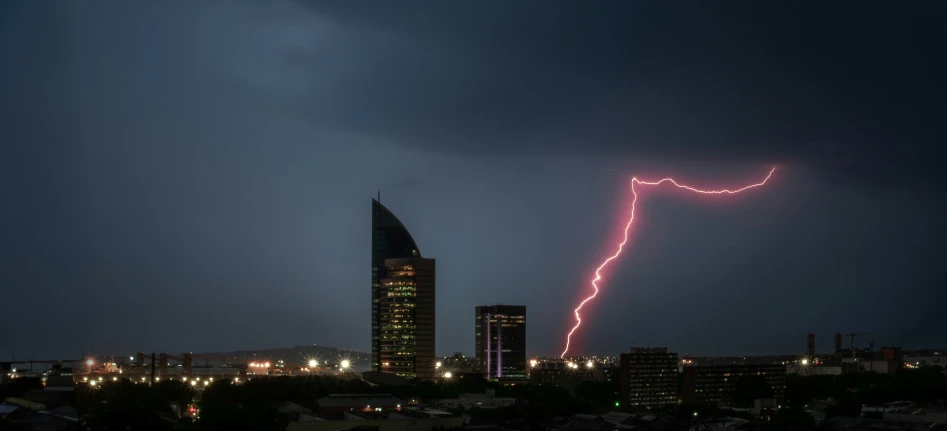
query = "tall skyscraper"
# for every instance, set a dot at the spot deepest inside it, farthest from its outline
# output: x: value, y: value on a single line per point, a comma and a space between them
x: 501, y: 341
x: 403, y: 293
x: 648, y: 377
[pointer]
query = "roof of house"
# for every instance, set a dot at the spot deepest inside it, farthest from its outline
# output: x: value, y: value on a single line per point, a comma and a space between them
x: 291, y: 407
x: 359, y: 400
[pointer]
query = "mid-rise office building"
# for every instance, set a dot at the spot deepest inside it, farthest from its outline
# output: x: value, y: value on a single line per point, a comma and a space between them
x: 648, y: 377
x: 501, y: 341
x: 712, y: 384
x: 403, y: 295
x: 564, y: 374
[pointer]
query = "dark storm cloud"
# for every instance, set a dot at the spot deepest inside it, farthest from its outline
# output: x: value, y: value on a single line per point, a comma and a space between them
x: 852, y: 88
x: 173, y: 170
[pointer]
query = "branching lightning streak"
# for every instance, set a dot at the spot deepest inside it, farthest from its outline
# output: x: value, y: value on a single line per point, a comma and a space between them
x: 631, y: 219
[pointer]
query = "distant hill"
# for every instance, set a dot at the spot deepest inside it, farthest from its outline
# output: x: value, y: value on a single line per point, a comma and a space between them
x: 300, y: 355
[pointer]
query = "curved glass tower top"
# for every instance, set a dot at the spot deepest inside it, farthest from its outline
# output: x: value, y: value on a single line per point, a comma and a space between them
x: 390, y: 239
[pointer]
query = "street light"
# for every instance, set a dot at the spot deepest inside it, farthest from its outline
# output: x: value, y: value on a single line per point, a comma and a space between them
x: 345, y: 364
x: 313, y: 363
x: 438, y: 364
x: 448, y: 375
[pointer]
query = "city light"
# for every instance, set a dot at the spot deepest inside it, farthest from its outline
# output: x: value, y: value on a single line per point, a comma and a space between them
x: 89, y: 362
x: 438, y: 364
x: 533, y: 363
x: 631, y: 219
x: 313, y: 363
x: 344, y: 364
x: 589, y: 364
x: 448, y: 375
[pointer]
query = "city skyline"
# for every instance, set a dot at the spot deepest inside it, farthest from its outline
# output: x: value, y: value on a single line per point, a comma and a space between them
x: 163, y: 187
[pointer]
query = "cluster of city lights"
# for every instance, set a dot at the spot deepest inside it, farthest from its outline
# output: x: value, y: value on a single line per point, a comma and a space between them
x: 206, y: 382
x: 259, y: 365
x: 575, y: 365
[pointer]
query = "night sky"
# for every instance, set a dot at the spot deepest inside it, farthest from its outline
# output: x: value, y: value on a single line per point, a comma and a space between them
x: 196, y: 176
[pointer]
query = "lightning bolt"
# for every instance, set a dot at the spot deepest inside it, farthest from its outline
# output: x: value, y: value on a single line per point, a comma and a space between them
x: 631, y: 220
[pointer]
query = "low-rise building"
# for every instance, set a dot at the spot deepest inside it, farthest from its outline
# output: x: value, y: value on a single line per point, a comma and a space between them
x: 400, y: 420
x: 814, y: 370
x: 359, y: 403
x: 486, y: 400
x: 716, y: 384
x: 564, y: 374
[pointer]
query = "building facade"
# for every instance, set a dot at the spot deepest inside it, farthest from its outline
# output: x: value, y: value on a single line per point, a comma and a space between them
x: 648, y: 377
x: 403, y: 296
x: 713, y: 384
x: 501, y: 341
x: 559, y: 373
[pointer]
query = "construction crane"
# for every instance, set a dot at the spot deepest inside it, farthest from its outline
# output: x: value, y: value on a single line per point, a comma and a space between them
x: 851, y: 338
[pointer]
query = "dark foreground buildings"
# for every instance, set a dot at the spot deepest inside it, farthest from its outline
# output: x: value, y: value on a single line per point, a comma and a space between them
x: 501, y: 341
x: 402, y: 300
x: 713, y: 384
x: 648, y: 377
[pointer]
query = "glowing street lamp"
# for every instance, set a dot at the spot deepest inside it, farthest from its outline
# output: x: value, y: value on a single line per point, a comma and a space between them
x: 438, y: 364
x: 313, y: 363
x: 89, y: 362
x: 589, y: 364
x: 448, y: 375
x: 345, y: 364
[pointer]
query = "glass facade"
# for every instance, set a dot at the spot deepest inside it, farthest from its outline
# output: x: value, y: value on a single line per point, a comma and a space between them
x: 402, y: 300
x: 501, y: 341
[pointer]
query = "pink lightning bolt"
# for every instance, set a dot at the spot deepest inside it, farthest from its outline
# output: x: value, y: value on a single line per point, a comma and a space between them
x: 634, y: 199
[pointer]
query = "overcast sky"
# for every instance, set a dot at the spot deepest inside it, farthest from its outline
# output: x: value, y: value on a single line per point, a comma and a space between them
x: 196, y: 176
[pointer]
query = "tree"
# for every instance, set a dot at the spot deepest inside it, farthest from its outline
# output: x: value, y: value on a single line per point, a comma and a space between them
x: 749, y: 388
x: 19, y: 386
x: 126, y: 406
x: 597, y: 393
x: 236, y: 417
x: 249, y: 407
x: 792, y: 419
